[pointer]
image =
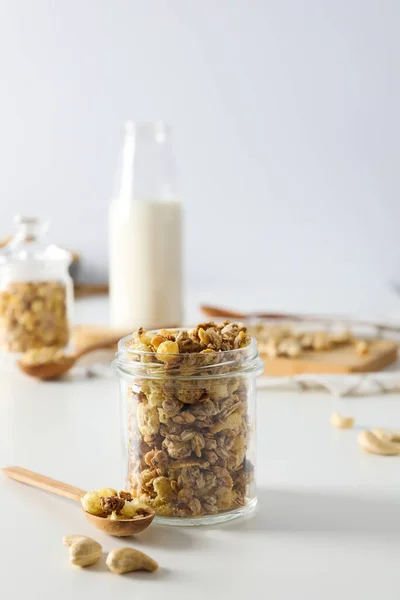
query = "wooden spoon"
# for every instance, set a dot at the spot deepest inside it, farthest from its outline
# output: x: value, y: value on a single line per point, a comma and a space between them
x: 55, y: 369
x: 120, y: 528
x: 217, y: 312
x: 224, y: 313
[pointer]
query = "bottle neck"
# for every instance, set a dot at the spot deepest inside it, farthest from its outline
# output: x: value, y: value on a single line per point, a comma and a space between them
x: 146, y: 168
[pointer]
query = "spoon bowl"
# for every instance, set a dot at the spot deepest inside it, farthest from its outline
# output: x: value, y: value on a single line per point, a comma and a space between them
x: 122, y: 527
x: 48, y: 371
x: 54, y: 369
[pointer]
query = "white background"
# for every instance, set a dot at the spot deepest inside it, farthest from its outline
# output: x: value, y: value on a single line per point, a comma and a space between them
x: 286, y: 115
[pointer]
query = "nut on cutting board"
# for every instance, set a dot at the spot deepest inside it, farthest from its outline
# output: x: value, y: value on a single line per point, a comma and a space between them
x: 341, y: 359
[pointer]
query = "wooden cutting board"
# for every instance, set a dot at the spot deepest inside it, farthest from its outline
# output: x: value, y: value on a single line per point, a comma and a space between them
x: 345, y: 359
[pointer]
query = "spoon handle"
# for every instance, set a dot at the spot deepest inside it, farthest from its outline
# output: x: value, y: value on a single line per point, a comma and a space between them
x: 99, y: 345
x: 217, y: 312
x: 44, y: 483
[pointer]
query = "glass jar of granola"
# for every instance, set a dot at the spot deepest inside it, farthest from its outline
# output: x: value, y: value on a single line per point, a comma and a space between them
x: 188, y: 421
x: 36, y: 291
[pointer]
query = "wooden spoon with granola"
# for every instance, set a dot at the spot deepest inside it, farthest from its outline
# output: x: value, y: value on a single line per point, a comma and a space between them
x: 50, y: 363
x: 116, y: 514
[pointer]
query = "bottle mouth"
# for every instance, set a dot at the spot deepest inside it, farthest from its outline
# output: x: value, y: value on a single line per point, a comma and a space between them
x: 194, y: 365
x: 159, y: 130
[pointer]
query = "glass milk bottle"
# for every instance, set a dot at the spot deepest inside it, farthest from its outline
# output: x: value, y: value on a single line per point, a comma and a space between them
x: 145, y: 233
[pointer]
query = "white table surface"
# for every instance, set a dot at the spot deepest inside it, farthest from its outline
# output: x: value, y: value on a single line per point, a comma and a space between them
x: 327, y: 524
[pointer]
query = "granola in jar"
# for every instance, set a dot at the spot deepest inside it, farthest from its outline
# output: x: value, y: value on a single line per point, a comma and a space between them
x: 188, y: 419
x: 36, y: 291
x: 33, y: 314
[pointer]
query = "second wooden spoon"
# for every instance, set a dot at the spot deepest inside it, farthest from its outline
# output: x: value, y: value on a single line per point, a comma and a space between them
x: 54, y: 369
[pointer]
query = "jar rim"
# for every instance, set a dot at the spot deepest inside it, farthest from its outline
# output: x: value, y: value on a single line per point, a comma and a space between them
x: 122, y: 345
x: 189, y: 365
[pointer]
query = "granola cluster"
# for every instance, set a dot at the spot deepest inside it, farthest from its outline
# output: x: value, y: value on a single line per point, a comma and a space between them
x: 106, y: 503
x: 33, y: 315
x: 189, y: 429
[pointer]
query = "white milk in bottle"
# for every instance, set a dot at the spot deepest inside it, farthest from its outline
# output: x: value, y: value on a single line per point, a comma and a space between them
x: 145, y: 222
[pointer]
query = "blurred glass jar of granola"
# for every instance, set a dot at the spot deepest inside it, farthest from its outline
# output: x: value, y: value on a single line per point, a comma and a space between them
x: 36, y: 291
x: 188, y: 421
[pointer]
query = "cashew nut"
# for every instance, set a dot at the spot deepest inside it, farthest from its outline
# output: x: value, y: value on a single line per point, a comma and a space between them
x: 370, y: 442
x: 340, y: 422
x: 91, y: 503
x: 290, y: 347
x: 125, y: 560
x: 107, y: 492
x: 341, y: 337
x: 361, y: 347
x: 321, y: 341
x: 166, y: 350
x: 68, y: 540
x: 83, y: 551
x: 271, y: 349
x: 387, y: 435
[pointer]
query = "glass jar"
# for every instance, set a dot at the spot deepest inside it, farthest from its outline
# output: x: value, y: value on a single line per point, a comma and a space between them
x: 188, y: 430
x: 36, y: 291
